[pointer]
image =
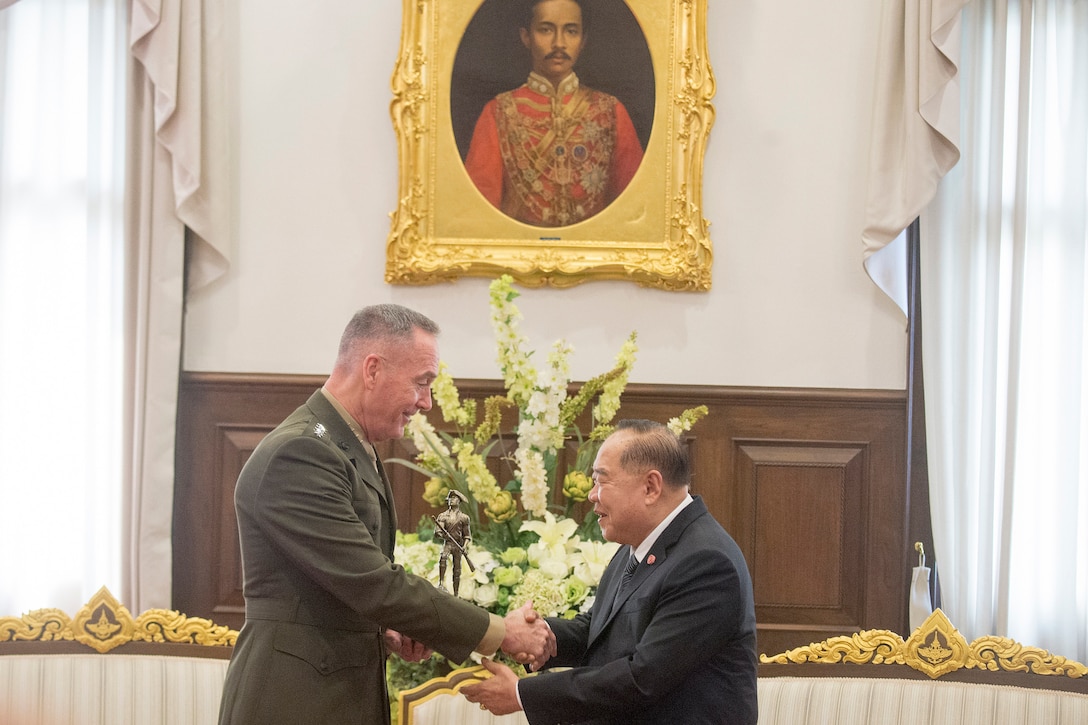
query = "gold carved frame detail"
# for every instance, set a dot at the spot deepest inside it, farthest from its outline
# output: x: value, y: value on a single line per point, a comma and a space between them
x: 935, y: 648
x: 653, y: 234
x: 103, y: 624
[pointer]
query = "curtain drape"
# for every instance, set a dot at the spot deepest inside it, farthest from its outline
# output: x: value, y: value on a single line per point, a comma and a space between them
x: 1004, y: 303
x: 915, y: 129
x: 62, y: 70
x: 179, y: 167
x: 93, y: 268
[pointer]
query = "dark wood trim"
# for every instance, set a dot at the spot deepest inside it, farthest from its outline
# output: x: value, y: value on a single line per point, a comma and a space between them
x: 919, y: 518
x: 811, y: 482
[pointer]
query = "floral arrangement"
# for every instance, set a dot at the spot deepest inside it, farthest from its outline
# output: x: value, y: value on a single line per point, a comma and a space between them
x: 531, y: 538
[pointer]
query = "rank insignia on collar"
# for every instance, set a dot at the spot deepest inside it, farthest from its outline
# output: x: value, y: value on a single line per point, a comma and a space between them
x: 319, y: 430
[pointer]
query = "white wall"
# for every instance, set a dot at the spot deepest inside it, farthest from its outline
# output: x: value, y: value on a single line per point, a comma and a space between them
x: 314, y: 154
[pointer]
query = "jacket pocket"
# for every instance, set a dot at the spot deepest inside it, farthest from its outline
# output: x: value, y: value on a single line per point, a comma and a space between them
x: 327, y: 650
x: 368, y: 507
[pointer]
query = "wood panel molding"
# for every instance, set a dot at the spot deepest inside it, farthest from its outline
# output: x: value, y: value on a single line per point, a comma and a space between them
x: 812, y: 483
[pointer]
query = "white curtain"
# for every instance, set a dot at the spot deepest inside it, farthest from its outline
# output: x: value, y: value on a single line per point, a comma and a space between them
x: 915, y: 129
x: 62, y: 73
x: 92, y: 273
x: 179, y: 169
x: 1004, y: 302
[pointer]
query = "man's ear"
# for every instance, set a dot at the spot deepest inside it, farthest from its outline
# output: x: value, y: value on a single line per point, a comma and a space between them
x: 652, y: 486
x: 371, y: 365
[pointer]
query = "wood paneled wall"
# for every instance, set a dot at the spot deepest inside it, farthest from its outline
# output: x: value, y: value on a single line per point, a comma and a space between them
x: 811, y: 483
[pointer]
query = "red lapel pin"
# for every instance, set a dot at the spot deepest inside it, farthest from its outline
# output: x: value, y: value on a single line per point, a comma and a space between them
x: 651, y: 559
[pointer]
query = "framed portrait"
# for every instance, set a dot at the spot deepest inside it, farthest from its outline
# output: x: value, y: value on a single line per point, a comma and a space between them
x: 557, y: 141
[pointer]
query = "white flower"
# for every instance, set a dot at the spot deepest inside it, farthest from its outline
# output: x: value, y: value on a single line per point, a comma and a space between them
x: 424, y: 436
x: 592, y: 559
x: 484, y: 561
x: 554, y: 533
x: 486, y: 595
x: 418, y: 557
x: 534, y: 481
x: 553, y: 567
x: 467, y: 588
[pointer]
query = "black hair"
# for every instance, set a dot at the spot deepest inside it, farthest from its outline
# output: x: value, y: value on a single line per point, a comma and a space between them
x: 530, y: 5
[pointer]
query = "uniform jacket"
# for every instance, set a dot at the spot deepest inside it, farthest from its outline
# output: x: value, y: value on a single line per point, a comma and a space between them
x: 677, y: 647
x: 317, y: 527
x: 553, y: 158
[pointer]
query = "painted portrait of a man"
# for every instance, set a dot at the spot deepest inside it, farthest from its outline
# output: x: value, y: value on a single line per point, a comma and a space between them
x: 552, y: 148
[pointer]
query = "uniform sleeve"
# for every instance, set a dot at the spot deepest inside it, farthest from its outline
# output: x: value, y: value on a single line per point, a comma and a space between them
x: 304, y: 505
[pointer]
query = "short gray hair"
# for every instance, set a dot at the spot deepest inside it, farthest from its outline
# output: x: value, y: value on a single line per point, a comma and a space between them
x: 384, y: 322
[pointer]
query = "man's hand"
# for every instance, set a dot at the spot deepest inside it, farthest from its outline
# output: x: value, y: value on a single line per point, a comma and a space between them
x: 498, y: 693
x: 529, y: 639
x: 405, y: 647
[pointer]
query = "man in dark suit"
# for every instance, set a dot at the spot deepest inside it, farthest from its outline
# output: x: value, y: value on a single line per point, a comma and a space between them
x: 673, y: 644
x: 325, y: 603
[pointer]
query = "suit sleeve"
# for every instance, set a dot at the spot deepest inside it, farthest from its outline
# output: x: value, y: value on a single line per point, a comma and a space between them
x: 304, y: 505
x: 673, y: 628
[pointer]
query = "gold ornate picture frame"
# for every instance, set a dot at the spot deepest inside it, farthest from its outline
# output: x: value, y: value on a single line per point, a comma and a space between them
x: 653, y: 233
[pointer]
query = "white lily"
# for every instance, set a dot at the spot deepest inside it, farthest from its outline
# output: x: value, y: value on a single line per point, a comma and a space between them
x: 594, y: 557
x: 554, y: 534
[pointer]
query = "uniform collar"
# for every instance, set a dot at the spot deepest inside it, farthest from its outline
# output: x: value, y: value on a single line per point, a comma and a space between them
x: 543, y: 86
x: 352, y: 423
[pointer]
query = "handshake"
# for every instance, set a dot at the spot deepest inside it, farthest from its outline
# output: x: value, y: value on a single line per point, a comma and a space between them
x: 528, y: 640
x: 531, y: 642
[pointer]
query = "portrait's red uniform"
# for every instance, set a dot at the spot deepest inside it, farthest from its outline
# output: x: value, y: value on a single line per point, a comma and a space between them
x: 551, y: 157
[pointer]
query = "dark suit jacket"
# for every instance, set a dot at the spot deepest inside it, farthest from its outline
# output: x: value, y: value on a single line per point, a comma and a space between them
x: 317, y: 528
x: 678, y: 648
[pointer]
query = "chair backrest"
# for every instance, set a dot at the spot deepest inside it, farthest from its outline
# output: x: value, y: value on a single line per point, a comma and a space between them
x: 876, y: 677
x: 936, y: 649
x: 439, y: 702
x: 105, y: 666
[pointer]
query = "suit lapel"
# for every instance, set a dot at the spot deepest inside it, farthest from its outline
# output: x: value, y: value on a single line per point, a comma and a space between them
x: 368, y: 468
x: 653, y: 562
x: 606, y: 604
x: 346, y: 440
x: 389, y: 510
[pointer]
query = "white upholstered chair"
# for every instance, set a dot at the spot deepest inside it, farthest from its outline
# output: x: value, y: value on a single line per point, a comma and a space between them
x: 105, y: 667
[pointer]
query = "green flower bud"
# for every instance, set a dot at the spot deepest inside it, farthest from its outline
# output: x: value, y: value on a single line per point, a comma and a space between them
x: 514, y: 556
x: 501, y: 507
x: 435, y: 492
x: 574, y: 591
x: 576, y: 486
x: 507, y: 576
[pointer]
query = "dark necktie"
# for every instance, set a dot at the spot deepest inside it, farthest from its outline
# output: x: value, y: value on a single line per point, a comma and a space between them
x: 625, y: 581
x: 628, y: 572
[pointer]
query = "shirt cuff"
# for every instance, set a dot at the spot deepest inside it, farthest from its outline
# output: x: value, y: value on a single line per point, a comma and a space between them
x: 493, y: 637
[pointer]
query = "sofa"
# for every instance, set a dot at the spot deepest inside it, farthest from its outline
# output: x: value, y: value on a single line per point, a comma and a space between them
x: 875, y: 677
x: 105, y: 667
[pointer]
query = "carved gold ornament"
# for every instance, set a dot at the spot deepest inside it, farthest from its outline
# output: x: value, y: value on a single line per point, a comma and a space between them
x: 654, y: 232
x: 935, y: 648
x: 103, y: 623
